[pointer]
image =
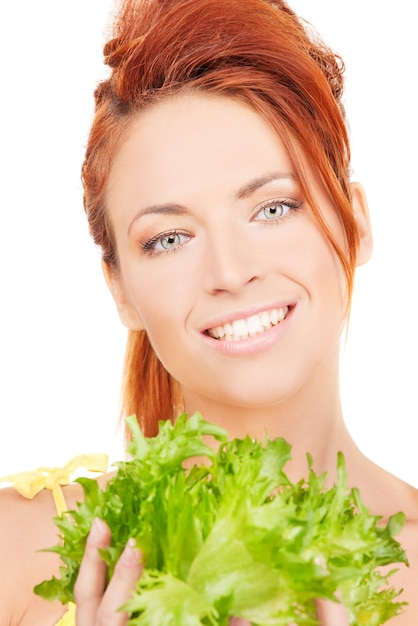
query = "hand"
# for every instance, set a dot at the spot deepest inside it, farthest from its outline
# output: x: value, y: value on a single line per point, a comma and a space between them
x: 97, y: 606
x: 331, y: 613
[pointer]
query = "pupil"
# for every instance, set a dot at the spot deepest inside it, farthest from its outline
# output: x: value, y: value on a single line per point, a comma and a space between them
x: 271, y: 210
x: 170, y: 240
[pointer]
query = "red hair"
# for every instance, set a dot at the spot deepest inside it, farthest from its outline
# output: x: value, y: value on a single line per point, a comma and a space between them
x: 255, y: 50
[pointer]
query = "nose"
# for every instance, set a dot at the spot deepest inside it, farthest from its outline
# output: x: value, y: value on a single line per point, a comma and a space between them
x: 231, y: 262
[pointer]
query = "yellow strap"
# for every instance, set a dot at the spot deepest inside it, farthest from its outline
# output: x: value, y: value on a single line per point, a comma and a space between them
x: 28, y: 484
x: 68, y: 619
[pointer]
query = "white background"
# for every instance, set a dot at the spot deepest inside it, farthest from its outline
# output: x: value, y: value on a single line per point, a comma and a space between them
x: 61, y: 343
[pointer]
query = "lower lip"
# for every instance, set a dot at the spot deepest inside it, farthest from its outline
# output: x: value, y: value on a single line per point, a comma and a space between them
x: 254, y: 344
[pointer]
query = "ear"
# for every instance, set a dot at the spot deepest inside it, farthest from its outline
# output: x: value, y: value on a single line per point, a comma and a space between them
x: 127, y: 313
x: 362, y: 217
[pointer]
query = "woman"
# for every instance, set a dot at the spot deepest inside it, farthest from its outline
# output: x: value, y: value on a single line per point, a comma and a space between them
x: 217, y: 185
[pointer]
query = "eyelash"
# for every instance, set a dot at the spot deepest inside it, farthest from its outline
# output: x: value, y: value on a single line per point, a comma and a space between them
x: 149, y: 246
x: 290, y: 205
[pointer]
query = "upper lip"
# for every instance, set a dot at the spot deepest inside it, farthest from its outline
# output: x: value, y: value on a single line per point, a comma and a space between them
x: 244, y: 314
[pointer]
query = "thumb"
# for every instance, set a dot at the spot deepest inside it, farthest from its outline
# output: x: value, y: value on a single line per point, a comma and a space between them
x: 331, y: 613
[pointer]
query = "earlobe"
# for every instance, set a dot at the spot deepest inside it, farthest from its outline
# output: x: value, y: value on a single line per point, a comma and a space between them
x: 127, y: 314
x: 362, y: 217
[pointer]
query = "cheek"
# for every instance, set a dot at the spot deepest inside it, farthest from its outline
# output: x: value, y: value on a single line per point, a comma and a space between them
x: 163, y: 323
x: 156, y: 288
x: 307, y: 257
x: 162, y: 299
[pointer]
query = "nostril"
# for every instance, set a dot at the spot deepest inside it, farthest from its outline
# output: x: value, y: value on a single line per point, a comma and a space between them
x: 230, y: 278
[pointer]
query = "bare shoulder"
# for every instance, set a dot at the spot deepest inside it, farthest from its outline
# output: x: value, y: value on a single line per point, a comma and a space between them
x: 385, y: 495
x: 26, y: 528
x: 406, y: 578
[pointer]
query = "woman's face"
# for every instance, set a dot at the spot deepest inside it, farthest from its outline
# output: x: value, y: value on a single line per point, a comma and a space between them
x: 221, y: 259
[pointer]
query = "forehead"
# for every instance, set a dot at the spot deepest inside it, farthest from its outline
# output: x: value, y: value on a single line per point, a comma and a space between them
x: 200, y: 150
x: 211, y: 139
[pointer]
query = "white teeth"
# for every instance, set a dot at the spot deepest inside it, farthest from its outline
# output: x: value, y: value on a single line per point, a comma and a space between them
x: 253, y: 325
x: 274, y: 318
x: 265, y: 319
x: 240, y: 328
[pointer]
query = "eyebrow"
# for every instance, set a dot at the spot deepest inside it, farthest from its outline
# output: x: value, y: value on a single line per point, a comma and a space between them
x: 243, y: 192
x: 164, y: 209
x: 256, y: 183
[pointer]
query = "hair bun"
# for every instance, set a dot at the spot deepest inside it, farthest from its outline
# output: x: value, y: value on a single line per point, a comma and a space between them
x: 117, y: 50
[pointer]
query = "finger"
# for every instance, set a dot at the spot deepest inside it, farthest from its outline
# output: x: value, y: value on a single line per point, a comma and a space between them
x: 238, y: 621
x: 127, y: 572
x: 91, y: 579
x: 331, y: 613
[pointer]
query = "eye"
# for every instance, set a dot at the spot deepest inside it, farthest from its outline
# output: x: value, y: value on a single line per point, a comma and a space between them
x: 165, y: 242
x: 170, y: 241
x: 273, y: 210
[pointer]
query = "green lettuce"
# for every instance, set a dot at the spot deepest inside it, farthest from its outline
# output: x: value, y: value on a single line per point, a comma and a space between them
x: 232, y: 536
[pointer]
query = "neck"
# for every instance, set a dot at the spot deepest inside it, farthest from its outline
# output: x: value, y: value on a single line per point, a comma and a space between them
x: 310, y: 420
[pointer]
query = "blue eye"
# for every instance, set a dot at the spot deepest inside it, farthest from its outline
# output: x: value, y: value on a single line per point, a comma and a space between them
x: 170, y: 241
x: 164, y: 242
x: 275, y: 209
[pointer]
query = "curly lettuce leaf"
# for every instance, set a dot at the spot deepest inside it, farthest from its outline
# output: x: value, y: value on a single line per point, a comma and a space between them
x: 232, y: 536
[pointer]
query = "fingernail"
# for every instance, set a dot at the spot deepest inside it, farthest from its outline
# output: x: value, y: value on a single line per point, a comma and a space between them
x: 131, y: 555
x: 97, y: 531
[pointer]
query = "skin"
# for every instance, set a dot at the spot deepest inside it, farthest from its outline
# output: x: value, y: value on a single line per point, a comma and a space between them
x: 232, y: 260
x: 194, y: 174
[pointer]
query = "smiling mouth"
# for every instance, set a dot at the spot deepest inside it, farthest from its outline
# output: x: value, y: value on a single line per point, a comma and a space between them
x: 249, y: 326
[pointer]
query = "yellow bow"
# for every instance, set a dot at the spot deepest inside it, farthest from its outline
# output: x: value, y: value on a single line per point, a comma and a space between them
x: 28, y: 484
x: 68, y: 619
